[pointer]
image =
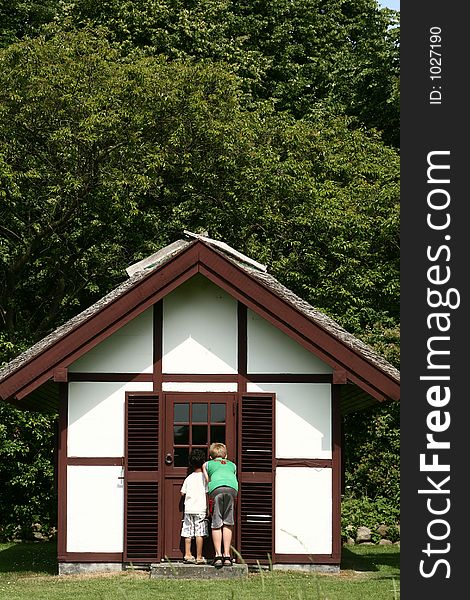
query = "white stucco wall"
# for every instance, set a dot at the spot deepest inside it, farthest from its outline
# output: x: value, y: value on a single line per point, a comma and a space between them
x: 96, y: 417
x: 128, y: 350
x: 303, y: 511
x: 303, y: 418
x: 199, y: 386
x: 272, y: 351
x: 199, y: 329
x: 95, y: 509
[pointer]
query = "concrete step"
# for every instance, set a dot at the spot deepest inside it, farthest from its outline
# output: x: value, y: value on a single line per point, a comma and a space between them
x: 179, y: 570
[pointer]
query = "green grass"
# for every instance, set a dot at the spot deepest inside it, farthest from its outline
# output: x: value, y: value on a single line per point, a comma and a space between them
x: 29, y: 571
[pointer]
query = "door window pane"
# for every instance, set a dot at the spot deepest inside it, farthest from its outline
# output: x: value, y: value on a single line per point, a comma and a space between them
x: 181, y: 434
x: 181, y: 457
x: 217, y: 413
x: 218, y: 434
x: 199, y: 413
x: 199, y: 434
x: 181, y: 412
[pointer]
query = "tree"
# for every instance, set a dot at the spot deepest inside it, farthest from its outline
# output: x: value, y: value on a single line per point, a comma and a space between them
x: 19, y: 18
x: 367, y: 436
x: 27, y: 489
x: 94, y: 155
x: 106, y: 157
x: 103, y: 160
x: 303, y: 54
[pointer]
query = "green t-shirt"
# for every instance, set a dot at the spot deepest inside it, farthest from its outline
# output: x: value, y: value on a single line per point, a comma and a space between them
x: 221, y: 472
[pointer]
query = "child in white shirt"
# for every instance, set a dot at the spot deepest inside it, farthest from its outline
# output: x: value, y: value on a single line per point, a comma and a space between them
x: 195, y: 525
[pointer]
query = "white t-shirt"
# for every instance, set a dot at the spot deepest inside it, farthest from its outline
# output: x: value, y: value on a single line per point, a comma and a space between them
x: 195, y: 488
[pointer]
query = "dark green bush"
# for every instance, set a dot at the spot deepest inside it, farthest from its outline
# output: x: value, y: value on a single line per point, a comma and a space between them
x: 27, y: 490
x: 356, y: 512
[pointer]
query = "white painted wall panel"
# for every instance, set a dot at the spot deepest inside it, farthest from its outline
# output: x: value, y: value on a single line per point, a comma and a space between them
x: 96, y: 417
x: 199, y: 386
x: 303, y: 511
x: 95, y: 509
x: 272, y: 351
x: 303, y: 418
x: 199, y: 329
x: 128, y: 350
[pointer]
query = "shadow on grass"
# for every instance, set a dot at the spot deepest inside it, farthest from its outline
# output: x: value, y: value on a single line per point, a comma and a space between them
x: 34, y: 557
x: 41, y: 557
x: 351, y: 560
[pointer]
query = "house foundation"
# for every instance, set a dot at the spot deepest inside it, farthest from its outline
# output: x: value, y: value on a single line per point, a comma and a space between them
x: 74, y: 568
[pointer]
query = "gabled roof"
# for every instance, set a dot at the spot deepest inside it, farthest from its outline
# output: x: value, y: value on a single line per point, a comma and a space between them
x: 28, y: 379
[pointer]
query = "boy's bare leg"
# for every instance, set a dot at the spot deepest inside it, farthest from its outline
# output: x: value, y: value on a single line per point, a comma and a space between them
x: 217, y: 540
x: 187, y: 548
x: 227, y: 537
x: 199, y: 544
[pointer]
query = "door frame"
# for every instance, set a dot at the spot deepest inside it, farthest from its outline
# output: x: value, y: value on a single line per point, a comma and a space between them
x: 168, y: 472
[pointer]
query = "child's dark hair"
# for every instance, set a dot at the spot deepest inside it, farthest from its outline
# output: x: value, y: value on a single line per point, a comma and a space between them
x: 197, y: 458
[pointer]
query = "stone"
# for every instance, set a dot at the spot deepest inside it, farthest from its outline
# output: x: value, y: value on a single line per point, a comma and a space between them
x: 179, y: 570
x: 385, y: 542
x: 363, y: 534
x: 382, y: 530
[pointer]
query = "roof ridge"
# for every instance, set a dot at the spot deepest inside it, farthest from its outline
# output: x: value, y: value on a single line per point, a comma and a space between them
x: 227, y: 249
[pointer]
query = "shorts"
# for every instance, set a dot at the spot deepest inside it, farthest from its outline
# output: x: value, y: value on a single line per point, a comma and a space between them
x: 195, y: 525
x: 223, y: 507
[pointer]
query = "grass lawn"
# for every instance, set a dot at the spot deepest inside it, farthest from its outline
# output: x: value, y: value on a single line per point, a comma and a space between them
x: 29, y: 571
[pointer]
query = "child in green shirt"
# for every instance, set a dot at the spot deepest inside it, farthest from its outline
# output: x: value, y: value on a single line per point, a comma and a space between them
x: 221, y: 475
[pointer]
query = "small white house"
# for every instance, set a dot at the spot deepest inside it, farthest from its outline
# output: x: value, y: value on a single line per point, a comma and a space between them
x: 199, y: 344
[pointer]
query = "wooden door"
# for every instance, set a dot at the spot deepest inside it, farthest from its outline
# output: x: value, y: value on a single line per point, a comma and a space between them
x: 192, y: 420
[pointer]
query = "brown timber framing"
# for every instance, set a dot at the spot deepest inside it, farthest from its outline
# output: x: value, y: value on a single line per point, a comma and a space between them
x: 255, y: 296
x: 102, y: 324
x: 199, y: 258
x: 52, y: 363
x: 106, y: 557
x: 335, y: 465
x: 336, y: 471
x: 204, y: 377
x: 158, y: 378
x: 306, y: 559
x: 62, y: 473
x: 63, y: 462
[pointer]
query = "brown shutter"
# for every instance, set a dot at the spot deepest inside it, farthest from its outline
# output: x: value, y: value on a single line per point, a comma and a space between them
x: 142, y: 478
x: 256, y: 477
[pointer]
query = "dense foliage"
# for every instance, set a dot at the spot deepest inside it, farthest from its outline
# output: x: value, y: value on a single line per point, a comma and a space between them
x: 379, y: 515
x: 340, y: 55
x: 27, y: 492
x: 264, y: 123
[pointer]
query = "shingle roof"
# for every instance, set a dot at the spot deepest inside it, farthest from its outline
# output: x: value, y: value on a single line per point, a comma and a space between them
x: 255, y: 270
x: 160, y: 258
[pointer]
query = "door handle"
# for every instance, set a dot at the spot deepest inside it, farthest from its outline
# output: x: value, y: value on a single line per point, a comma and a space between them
x: 168, y: 459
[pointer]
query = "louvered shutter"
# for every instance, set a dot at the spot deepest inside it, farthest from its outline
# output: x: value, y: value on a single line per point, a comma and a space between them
x: 142, y: 478
x: 256, y: 478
